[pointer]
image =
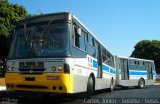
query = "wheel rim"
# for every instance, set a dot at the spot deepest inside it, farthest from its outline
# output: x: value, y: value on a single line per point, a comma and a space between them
x: 111, y: 87
x: 89, y: 88
x: 141, y: 84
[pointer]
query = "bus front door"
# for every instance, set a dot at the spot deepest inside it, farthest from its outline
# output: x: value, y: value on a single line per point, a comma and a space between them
x: 100, y: 71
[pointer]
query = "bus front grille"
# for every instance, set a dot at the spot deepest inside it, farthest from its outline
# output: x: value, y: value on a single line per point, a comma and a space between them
x: 31, y: 71
x: 31, y: 67
x: 24, y: 64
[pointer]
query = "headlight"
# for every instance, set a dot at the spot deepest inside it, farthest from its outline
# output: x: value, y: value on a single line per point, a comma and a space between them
x: 60, y: 68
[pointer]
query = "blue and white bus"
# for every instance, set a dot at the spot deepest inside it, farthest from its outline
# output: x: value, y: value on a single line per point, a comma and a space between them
x: 56, y: 53
x: 134, y: 72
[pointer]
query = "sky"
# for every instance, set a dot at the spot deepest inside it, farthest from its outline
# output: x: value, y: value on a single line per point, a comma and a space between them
x: 118, y: 24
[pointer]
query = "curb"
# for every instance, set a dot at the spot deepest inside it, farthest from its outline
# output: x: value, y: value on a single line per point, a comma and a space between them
x: 2, y: 88
x: 157, y: 84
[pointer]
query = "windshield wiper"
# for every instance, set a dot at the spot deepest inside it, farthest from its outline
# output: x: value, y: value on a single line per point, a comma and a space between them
x: 42, y: 34
x: 25, y: 32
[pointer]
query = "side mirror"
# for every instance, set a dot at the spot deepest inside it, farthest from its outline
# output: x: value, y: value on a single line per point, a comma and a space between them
x: 79, y: 31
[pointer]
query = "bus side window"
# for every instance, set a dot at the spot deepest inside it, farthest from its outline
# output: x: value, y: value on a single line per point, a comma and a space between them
x: 96, y: 47
x: 90, y: 46
x: 141, y: 66
x: 79, y: 40
x: 104, y: 57
x: 133, y: 65
x: 89, y: 39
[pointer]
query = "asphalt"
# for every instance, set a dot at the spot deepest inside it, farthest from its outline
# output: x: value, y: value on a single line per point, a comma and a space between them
x: 148, y: 95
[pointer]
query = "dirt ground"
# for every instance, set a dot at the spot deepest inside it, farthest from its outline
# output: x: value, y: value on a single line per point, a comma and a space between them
x: 158, y: 81
x: 2, y: 81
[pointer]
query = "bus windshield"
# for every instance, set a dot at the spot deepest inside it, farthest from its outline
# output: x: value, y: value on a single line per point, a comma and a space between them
x: 40, y: 40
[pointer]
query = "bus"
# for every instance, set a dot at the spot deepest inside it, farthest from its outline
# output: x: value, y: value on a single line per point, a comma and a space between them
x: 134, y: 72
x: 56, y: 53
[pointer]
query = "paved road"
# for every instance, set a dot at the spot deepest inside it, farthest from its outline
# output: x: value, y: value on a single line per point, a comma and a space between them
x: 148, y: 95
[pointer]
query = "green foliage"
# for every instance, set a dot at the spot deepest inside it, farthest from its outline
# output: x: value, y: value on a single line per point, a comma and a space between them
x: 10, y: 14
x: 148, y: 49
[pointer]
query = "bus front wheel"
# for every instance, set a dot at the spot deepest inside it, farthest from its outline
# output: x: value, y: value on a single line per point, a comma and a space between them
x: 90, y: 89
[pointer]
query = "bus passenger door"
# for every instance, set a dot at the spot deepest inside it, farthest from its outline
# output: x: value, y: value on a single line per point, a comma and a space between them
x: 124, y: 69
x: 149, y: 71
x: 99, y: 59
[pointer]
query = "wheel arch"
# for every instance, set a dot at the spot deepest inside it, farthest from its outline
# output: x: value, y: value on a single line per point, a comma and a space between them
x: 143, y: 80
x: 113, y: 80
x: 93, y: 78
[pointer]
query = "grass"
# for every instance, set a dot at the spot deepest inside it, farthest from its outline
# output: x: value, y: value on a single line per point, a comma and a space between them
x: 2, y: 81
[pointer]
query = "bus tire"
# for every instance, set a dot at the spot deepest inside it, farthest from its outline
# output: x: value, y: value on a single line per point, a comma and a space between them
x: 111, y: 85
x: 90, y: 88
x: 141, y: 84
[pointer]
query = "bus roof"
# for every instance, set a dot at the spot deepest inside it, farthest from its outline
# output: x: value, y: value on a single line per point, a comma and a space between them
x: 124, y: 57
x: 45, y: 15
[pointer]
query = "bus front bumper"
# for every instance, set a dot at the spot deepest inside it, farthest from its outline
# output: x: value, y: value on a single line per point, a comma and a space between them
x: 46, y: 82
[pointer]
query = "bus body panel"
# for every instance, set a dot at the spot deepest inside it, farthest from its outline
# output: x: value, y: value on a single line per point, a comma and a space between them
x: 46, y: 82
x: 83, y: 68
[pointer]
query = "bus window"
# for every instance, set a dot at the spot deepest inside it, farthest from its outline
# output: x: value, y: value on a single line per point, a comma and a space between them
x: 89, y: 39
x: 104, y: 57
x: 37, y: 42
x: 140, y: 62
x: 131, y: 62
x: 91, y: 50
x: 107, y: 57
x: 90, y: 46
x: 96, y: 47
x: 93, y: 42
x: 80, y: 40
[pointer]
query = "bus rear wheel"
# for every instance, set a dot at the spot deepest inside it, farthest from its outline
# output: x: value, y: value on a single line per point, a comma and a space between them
x: 111, y: 86
x: 90, y: 89
x: 141, y: 84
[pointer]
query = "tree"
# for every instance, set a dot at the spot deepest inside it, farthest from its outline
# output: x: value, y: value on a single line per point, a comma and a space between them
x: 148, y: 49
x: 10, y: 14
